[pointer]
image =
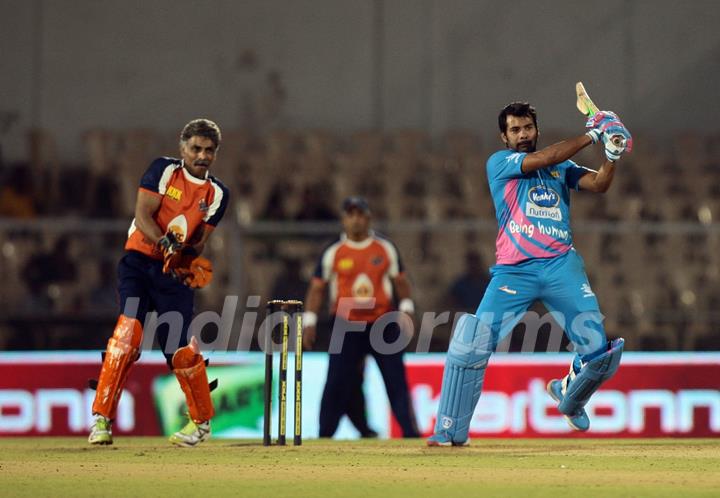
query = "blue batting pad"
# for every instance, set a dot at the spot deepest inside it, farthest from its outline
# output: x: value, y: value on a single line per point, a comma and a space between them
x: 467, y: 358
x: 585, y: 379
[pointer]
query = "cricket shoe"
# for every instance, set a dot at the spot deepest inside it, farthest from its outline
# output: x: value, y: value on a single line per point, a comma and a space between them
x: 442, y: 439
x: 192, y: 434
x: 578, y: 420
x: 100, y: 430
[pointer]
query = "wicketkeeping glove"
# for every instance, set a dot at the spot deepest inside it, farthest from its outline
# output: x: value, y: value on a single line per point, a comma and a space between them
x: 189, y: 269
x: 169, y: 245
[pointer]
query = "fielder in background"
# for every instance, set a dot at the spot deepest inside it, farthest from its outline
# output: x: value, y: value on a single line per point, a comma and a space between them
x: 178, y: 206
x: 361, y: 269
x: 535, y: 260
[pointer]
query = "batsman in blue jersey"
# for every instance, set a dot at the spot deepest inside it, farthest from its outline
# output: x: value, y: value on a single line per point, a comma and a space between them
x: 535, y: 261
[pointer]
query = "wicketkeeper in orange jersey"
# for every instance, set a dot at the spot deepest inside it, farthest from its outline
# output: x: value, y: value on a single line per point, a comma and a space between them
x: 178, y: 206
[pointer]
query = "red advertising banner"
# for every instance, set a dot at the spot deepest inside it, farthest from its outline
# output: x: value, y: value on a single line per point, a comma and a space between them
x: 652, y: 395
x: 47, y: 394
x: 42, y: 398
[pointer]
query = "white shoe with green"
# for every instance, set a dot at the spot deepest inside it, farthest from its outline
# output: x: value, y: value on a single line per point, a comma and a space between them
x: 192, y: 434
x: 100, y: 430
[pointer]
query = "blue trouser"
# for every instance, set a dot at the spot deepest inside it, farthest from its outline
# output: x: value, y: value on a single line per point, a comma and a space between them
x: 562, y: 286
x: 560, y: 283
x: 142, y: 278
x: 342, y: 378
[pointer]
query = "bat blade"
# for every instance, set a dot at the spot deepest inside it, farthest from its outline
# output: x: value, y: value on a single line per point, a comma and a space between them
x: 584, y: 104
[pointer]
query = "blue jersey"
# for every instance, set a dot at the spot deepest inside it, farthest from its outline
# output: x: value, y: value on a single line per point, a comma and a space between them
x: 532, y: 210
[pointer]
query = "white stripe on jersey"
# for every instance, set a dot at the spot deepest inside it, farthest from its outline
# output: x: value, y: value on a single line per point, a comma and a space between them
x: 326, y: 267
x: 217, y: 200
x: 394, y: 268
x: 165, y: 178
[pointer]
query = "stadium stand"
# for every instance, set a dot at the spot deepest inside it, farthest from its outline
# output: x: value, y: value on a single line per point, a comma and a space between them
x: 649, y: 245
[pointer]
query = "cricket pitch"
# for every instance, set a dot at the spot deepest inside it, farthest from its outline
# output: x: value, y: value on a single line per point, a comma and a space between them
x: 144, y: 466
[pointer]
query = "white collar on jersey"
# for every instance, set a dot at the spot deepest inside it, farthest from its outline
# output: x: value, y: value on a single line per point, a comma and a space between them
x: 358, y: 244
x: 191, y: 178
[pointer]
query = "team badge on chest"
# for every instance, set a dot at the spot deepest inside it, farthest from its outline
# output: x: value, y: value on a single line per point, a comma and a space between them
x: 362, y: 288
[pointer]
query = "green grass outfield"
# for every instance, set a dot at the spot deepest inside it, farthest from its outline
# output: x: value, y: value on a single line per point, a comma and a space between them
x: 403, y: 468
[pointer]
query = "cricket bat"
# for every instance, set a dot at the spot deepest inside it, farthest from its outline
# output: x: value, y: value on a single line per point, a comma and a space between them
x: 584, y: 104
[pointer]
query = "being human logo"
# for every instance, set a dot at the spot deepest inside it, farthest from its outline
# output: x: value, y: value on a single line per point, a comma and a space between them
x: 447, y: 422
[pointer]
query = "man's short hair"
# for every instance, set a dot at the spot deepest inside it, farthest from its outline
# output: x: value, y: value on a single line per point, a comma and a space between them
x: 517, y: 109
x: 202, y: 128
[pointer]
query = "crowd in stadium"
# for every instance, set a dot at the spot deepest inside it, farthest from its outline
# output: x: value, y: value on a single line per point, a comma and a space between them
x: 651, y: 262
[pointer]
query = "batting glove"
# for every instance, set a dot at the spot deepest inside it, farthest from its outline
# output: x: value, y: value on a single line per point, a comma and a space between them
x: 598, y: 119
x: 615, y: 132
x: 594, y: 134
x: 596, y: 122
x: 613, y: 151
x: 617, y: 139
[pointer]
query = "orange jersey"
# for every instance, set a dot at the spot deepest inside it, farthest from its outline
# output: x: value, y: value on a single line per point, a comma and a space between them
x: 187, y: 203
x: 359, y: 274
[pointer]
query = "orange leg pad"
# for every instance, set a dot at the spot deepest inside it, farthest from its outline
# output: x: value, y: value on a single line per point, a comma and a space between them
x: 122, y: 351
x: 189, y: 369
